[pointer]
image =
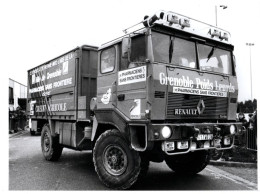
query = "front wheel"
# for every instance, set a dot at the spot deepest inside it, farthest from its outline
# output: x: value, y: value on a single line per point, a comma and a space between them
x: 51, y: 148
x: 191, y: 163
x: 116, y: 164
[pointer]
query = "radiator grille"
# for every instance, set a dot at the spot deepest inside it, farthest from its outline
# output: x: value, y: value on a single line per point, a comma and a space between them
x: 215, y: 107
x: 159, y: 94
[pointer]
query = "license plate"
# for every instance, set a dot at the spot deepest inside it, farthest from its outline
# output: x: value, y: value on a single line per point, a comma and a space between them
x: 205, y: 137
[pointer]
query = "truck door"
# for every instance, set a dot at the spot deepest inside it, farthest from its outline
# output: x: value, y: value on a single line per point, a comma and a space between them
x: 107, y: 76
x: 131, y: 92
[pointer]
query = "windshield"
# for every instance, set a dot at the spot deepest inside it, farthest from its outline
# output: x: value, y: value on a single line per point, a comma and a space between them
x: 173, y: 50
x: 178, y: 51
x: 214, y: 59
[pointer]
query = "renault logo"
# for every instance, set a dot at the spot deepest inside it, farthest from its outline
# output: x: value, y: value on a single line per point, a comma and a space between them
x: 201, y: 107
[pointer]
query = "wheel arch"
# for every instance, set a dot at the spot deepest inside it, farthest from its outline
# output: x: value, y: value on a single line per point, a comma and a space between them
x: 109, y: 119
x: 102, y: 127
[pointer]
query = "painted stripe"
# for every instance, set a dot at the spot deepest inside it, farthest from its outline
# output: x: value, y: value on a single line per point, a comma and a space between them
x: 233, y: 178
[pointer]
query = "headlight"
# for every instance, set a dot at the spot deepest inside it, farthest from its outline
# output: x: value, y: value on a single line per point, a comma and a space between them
x: 166, y: 132
x: 232, y: 129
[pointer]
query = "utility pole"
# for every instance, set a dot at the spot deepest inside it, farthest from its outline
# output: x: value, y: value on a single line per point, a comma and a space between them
x: 250, y: 45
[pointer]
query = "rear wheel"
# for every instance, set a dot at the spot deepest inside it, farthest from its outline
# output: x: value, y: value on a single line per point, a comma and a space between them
x: 32, y: 132
x: 116, y: 164
x: 191, y: 163
x: 51, y: 148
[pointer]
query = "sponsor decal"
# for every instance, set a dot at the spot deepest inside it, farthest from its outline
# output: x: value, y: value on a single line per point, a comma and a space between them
x: 181, y: 111
x: 54, y: 63
x: 191, y: 111
x: 56, y: 74
x: 185, y: 85
x: 200, y: 107
x: 57, y: 84
x: 51, y: 107
x: 49, y: 75
x: 135, y: 110
x: 133, y: 75
x: 106, y: 97
x: 65, y: 67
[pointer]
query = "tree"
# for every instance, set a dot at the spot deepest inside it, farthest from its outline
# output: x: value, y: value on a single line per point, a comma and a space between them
x: 248, y: 106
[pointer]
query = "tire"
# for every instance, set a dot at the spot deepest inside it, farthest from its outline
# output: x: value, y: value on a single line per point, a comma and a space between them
x: 116, y: 164
x: 191, y: 163
x: 144, y: 168
x: 51, y: 148
x: 32, y: 132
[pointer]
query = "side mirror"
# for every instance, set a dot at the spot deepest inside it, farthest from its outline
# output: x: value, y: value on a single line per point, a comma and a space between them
x: 234, y: 59
x: 126, y: 47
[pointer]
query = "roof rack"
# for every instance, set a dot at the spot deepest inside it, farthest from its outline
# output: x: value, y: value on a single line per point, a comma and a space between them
x: 179, y: 22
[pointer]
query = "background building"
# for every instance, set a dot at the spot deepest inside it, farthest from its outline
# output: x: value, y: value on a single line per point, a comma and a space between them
x: 17, y: 106
x: 17, y: 95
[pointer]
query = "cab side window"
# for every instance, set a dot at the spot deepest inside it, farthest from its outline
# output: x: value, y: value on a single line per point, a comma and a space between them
x: 138, y: 52
x: 108, y: 60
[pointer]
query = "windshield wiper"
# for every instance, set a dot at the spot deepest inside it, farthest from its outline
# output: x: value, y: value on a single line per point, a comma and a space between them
x: 171, y: 48
x: 211, y: 53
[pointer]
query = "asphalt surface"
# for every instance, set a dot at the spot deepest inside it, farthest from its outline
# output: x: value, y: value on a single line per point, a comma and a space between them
x: 28, y: 170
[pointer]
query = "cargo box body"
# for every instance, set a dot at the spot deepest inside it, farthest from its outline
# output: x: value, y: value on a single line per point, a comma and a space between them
x: 61, y: 89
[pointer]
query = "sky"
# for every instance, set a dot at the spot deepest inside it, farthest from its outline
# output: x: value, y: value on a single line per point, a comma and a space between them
x: 33, y: 32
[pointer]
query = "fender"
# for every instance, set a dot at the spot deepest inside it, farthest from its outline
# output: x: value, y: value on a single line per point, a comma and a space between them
x: 94, y: 128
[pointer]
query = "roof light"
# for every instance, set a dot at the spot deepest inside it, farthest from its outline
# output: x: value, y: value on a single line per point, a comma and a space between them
x: 150, y: 20
x: 184, y: 22
x: 172, y: 19
x: 214, y: 32
x: 224, y: 36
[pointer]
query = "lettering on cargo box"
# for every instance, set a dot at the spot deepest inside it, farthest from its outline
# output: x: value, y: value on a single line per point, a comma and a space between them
x: 51, y: 107
x: 58, y: 61
x: 133, y: 75
x: 47, y: 87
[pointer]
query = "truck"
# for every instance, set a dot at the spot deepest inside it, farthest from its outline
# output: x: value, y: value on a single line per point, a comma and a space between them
x: 165, y: 91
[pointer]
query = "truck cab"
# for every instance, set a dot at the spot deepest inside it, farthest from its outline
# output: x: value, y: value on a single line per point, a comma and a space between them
x: 170, y: 83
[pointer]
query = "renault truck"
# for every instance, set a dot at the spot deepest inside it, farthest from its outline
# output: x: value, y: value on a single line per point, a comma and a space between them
x: 165, y: 91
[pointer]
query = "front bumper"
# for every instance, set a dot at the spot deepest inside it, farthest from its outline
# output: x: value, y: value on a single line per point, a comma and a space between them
x: 193, y: 136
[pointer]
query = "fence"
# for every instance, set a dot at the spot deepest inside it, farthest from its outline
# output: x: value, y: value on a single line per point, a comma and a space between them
x: 251, y: 139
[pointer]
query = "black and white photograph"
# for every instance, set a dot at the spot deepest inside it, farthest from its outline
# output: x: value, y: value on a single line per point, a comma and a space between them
x: 130, y: 95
